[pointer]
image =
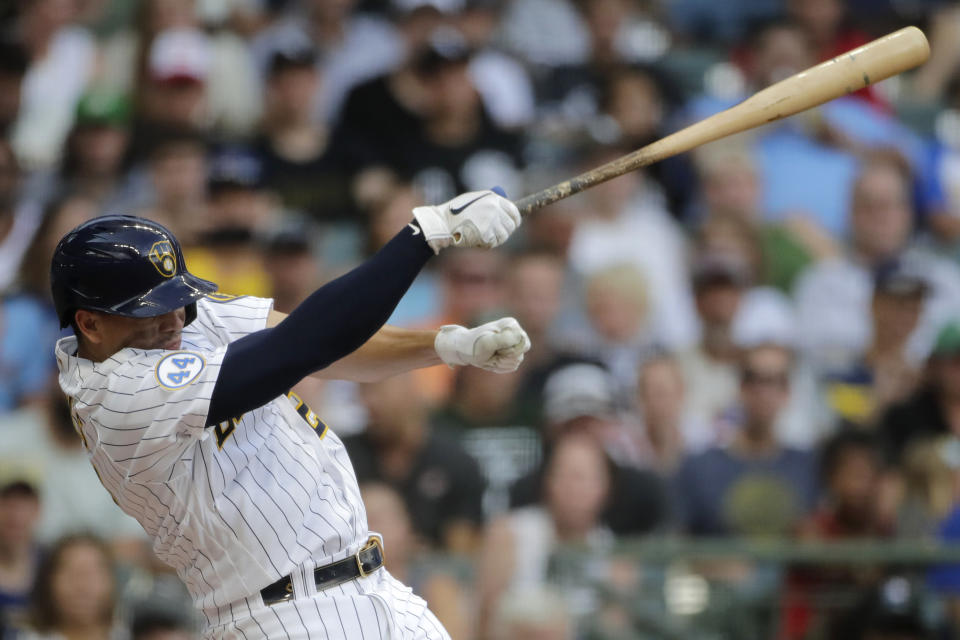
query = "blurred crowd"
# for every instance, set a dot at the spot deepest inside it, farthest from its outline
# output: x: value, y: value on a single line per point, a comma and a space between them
x: 759, y: 339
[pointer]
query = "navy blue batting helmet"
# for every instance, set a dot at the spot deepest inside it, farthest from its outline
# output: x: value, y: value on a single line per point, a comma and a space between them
x: 123, y: 265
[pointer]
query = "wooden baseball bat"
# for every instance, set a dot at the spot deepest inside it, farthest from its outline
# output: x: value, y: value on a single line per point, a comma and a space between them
x: 848, y: 72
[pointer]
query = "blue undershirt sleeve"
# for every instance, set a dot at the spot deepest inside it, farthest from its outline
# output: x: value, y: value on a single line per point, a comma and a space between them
x: 333, y: 322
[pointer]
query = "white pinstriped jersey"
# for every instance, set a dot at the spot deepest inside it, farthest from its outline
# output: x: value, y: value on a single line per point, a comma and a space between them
x: 231, y: 508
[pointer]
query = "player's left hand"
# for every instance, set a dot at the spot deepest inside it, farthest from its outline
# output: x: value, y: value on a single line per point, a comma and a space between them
x: 495, y: 346
x: 482, y: 219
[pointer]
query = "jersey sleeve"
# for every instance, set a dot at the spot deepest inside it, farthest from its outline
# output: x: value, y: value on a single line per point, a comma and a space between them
x: 233, y: 316
x: 152, y: 410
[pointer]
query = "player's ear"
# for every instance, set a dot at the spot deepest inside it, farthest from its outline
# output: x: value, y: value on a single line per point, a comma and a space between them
x: 89, y: 325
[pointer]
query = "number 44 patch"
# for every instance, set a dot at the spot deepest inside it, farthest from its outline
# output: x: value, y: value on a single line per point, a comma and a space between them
x: 178, y: 369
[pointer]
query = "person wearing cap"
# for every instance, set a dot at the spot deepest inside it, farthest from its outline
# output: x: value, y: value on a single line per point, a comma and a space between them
x: 427, y: 123
x: 300, y: 163
x: 239, y: 212
x: 859, y: 392
x: 96, y: 148
x: 720, y: 282
x: 174, y: 92
x: 579, y: 397
x: 354, y: 46
x: 20, y: 488
x: 291, y: 264
x: 834, y: 296
x: 933, y: 409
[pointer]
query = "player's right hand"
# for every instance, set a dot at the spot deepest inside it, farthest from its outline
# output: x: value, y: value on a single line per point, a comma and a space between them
x: 496, y: 346
x: 474, y: 219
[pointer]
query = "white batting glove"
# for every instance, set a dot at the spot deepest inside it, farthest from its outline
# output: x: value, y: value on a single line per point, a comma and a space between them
x: 474, y: 219
x: 495, y: 346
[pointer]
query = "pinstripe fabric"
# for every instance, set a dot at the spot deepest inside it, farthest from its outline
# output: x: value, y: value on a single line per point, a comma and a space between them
x: 236, y: 507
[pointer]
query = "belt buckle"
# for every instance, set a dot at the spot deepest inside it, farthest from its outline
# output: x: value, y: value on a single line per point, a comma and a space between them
x: 374, y: 541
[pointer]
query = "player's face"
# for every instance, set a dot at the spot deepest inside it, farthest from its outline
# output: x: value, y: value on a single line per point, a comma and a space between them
x: 158, y: 332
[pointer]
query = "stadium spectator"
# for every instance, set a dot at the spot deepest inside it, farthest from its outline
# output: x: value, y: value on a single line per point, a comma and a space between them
x: 626, y: 222
x: 484, y: 413
x: 19, y: 216
x: 450, y: 599
x: 617, y: 305
x: 427, y: 123
x: 822, y: 144
x: 579, y: 397
x: 62, y: 58
x: 353, y: 46
x: 933, y: 409
x: 861, y: 392
x: 299, y: 164
x: 536, y: 291
x: 517, y: 547
x: 74, y: 594
x: 174, y: 95
x: 61, y: 215
x: 851, y: 465
x: 176, y: 194
x: 95, y: 151
x: 13, y: 68
x: 20, y: 553
x: 30, y: 325
x: 833, y: 296
x: 851, y: 508
x: 827, y: 24
x: 212, y: 61
x: 291, y: 266
x: 480, y: 401
x: 731, y: 187
x: 667, y: 429
x: 239, y: 212
x: 637, y: 101
x: 710, y: 368
x: 441, y: 485
x: 756, y: 485
x: 471, y: 283
x: 501, y: 80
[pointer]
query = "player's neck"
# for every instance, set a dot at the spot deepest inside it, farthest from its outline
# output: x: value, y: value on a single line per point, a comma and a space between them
x: 90, y: 352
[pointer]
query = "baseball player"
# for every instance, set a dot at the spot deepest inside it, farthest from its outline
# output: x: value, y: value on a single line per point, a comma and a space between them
x: 181, y: 397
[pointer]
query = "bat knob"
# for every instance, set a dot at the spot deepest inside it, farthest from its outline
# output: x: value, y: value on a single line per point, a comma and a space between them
x: 499, y: 191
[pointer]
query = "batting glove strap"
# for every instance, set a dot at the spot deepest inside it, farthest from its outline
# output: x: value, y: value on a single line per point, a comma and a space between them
x: 496, y: 346
x: 475, y: 219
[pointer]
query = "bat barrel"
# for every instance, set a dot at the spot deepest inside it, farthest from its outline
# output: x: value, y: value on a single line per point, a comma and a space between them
x: 848, y: 72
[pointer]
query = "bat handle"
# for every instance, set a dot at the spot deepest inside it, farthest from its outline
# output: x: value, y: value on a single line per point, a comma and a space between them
x: 565, y: 189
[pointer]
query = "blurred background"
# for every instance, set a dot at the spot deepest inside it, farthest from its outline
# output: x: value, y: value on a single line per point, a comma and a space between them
x: 740, y: 417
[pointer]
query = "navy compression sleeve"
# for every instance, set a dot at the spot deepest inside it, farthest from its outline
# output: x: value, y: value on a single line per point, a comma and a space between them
x: 330, y: 324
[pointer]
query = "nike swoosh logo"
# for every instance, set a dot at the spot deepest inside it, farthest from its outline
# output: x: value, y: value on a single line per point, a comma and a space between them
x: 416, y: 229
x: 455, y: 210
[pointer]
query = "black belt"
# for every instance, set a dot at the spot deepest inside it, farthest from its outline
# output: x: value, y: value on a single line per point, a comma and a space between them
x: 359, y: 565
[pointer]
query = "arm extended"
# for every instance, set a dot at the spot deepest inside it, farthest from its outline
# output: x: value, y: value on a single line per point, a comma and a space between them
x: 332, y: 323
x: 390, y: 351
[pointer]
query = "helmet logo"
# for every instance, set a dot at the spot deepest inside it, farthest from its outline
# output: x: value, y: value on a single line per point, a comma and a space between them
x: 163, y: 258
